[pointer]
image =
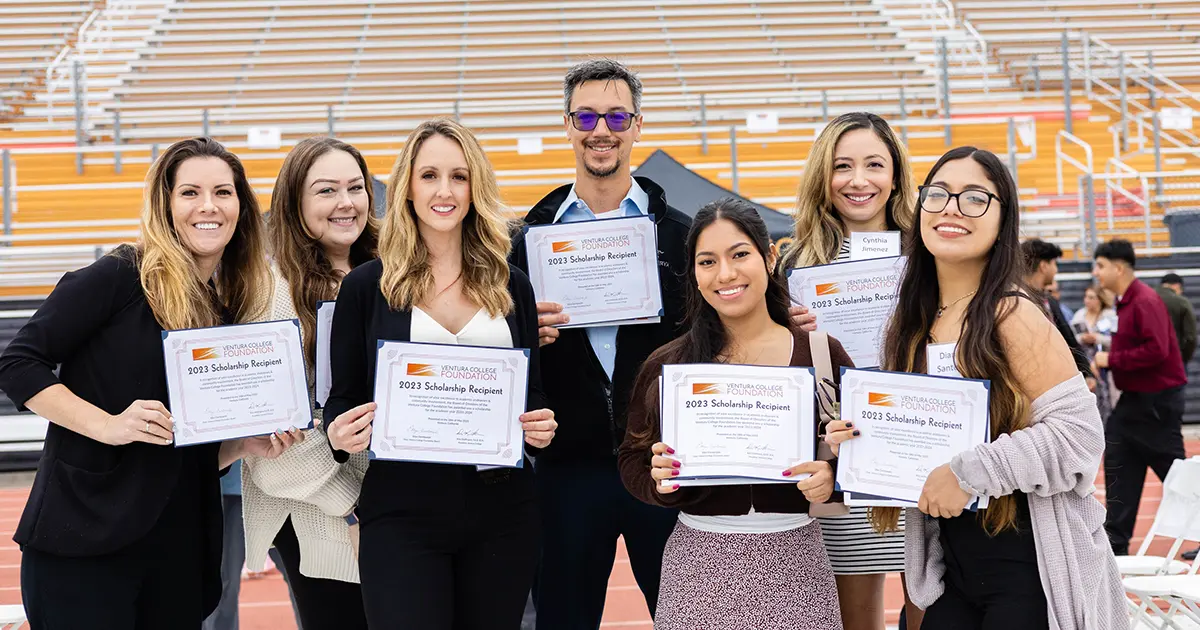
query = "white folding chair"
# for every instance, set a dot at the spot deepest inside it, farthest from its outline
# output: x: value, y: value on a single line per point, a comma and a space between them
x: 12, y: 617
x: 1179, y: 516
x: 1176, y: 518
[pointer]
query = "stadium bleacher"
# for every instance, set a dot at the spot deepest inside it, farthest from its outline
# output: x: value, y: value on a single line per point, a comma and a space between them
x: 169, y: 69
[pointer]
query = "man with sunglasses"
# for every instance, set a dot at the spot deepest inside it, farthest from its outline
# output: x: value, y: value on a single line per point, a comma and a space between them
x: 587, y: 374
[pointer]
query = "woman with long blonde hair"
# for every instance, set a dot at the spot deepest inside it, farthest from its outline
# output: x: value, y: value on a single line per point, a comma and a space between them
x: 857, y: 179
x: 321, y: 226
x: 443, y: 546
x: 121, y: 528
x: 1002, y: 567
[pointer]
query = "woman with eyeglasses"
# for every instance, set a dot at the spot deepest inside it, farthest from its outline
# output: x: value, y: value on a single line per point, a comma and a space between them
x: 857, y: 179
x: 1038, y: 555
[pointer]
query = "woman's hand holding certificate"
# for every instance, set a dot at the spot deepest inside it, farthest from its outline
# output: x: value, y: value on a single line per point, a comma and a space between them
x: 230, y: 382
x: 739, y: 423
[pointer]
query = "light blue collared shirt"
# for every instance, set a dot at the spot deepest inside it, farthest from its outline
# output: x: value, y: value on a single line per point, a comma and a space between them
x: 573, y: 209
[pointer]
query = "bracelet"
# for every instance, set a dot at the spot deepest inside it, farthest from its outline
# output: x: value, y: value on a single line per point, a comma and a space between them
x: 351, y: 518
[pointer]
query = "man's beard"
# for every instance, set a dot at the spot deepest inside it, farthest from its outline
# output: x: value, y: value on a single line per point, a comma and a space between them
x: 603, y: 173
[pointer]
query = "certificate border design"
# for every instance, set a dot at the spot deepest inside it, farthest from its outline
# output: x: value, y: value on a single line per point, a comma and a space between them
x: 179, y: 342
x: 537, y: 236
x: 970, y: 392
x: 802, y: 290
x: 805, y: 404
x: 392, y: 353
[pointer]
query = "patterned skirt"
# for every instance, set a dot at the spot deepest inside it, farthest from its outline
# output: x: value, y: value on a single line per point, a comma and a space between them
x: 776, y: 581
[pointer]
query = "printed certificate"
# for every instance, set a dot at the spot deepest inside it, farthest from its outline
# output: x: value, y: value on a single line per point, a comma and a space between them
x: 229, y: 382
x: 449, y: 404
x: 324, y: 379
x: 853, y: 301
x: 911, y: 424
x: 738, y: 421
x: 602, y: 272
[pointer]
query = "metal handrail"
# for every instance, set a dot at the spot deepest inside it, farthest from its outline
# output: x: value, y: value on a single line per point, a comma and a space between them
x: 1060, y: 156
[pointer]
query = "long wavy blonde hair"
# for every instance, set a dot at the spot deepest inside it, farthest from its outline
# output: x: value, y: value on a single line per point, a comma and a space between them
x: 299, y: 256
x: 819, y: 229
x: 167, y: 269
x: 407, y: 275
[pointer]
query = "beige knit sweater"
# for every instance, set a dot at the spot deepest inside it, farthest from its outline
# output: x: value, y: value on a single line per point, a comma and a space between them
x: 304, y: 483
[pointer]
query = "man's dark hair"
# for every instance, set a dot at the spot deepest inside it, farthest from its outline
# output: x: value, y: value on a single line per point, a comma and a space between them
x: 1173, y: 278
x: 1036, y: 251
x: 602, y: 70
x: 1117, y: 249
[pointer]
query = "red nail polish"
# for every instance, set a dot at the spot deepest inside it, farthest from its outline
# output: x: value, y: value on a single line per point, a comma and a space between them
x: 787, y: 473
x: 670, y: 451
x: 676, y: 464
x: 674, y: 473
x: 675, y: 487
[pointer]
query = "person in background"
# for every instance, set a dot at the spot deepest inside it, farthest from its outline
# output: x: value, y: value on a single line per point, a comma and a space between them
x: 857, y: 179
x: 1145, y: 428
x: 1052, y: 291
x: 1094, y: 325
x: 1041, y: 260
x: 589, y: 372
x: 1183, y: 317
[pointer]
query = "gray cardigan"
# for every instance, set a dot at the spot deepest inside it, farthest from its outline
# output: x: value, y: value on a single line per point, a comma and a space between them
x: 1054, y: 461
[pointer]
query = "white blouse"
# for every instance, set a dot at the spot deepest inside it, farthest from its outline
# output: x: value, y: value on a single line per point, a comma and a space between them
x: 482, y: 330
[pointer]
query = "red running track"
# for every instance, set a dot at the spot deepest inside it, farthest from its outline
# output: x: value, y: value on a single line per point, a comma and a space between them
x: 264, y: 602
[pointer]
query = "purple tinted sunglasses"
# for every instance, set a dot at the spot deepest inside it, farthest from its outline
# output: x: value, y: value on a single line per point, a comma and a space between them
x: 586, y: 120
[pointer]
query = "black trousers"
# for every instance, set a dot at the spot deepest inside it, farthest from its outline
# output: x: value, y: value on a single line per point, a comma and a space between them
x: 954, y: 610
x: 154, y: 584
x: 585, y: 508
x: 470, y: 569
x: 1144, y: 430
x: 323, y: 604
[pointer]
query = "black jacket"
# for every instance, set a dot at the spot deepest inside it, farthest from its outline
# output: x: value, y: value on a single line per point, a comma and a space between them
x: 590, y: 410
x: 361, y: 318
x: 91, y: 498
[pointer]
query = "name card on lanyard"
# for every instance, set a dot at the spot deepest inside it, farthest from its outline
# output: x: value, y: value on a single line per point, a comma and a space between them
x: 940, y: 360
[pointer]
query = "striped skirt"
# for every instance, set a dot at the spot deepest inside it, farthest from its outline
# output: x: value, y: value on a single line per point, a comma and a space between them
x: 855, y: 549
x: 776, y: 581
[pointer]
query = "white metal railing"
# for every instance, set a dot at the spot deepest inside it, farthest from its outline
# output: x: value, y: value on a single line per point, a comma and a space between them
x: 972, y: 45
x: 1061, y: 156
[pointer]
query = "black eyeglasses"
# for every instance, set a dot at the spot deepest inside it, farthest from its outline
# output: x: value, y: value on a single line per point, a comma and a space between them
x: 971, y: 203
x: 586, y: 120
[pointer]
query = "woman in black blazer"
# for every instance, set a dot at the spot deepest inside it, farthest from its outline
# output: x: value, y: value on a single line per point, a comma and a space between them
x: 123, y: 530
x: 442, y: 546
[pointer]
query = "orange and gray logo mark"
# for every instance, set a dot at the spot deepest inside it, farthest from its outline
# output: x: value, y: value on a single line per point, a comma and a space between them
x: 205, y: 354
x: 829, y: 288
x: 422, y: 369
x: 881, y: 400
x: 705, y: 388
x: 560, y: 247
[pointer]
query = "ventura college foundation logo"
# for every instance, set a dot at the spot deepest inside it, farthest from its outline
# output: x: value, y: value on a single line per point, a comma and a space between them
x: 205, y: 354
x: 561, y: 247
x: 881, y: 400
x: 705, y: 389
x: 829, y: 288
x: 423, y: 369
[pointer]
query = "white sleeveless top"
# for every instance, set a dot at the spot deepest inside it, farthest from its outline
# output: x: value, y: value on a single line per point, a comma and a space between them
x: 482, y: 330
x: 752, y: 523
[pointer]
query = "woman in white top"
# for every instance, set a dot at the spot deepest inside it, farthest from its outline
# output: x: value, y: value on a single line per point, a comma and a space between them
x: 741, y: 556
x: 443, y: 546
x: 320, y: 227
x: 857, y: 179
x: 1098, y: 321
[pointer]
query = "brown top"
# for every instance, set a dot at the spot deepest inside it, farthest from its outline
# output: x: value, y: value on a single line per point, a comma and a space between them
x: 711, y: 500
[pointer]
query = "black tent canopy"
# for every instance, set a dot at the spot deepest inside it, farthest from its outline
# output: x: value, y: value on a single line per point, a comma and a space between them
x: 689, y: 191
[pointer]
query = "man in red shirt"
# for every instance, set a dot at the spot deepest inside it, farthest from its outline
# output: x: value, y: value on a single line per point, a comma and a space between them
x: 1145, y: 428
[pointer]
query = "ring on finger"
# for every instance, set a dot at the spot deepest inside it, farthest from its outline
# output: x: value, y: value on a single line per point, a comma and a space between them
x: 147, y: 429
